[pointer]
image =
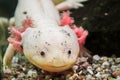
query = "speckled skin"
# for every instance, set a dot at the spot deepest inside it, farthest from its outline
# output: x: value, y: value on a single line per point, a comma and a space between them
x: 39, y: 35
x: 59, y: 44
x: 48, y: 37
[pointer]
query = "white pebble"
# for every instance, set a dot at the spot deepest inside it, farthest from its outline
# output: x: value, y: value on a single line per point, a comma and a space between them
x: 96, y: 57
x: 98, y: 75
x: 31, y: 73
x: 75, y: 67
x: 118, y: 78
x: 23, y: 68
x: 105, y: 64
x: 94, y: 66
x: 113, y: 67
x: 105, y: 75
x: 15, y: 59
x: 90, y: 71
x: 15, y: 65
x: 88, y: 77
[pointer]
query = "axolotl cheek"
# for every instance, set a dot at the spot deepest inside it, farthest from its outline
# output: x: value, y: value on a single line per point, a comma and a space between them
x: 52, y: 49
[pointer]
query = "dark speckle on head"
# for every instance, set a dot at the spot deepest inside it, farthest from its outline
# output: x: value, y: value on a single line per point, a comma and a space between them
x: 35, y: 46
x: 47, y: 43
x: 64, y: 43
x: 25, y: 12
x: 39, y: 33
x: 68, y: 34
x: 36, y: 36
x: 64, y: 31
x: 61, y: 43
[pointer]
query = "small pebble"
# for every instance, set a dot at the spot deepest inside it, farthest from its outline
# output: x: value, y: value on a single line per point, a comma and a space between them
x: 105, y: 76
x: 116, y: 73
x: 88, y: 77
x: 96, y: 57
x: 105, y: 64
x: 32, y: 73
x: 21, y: 75
x: 117, y: 60
x: 94, y: 66
x: 118, y: 78
x: 90, y: 70
x: 75, y: 67
x: 118, y: 66
x: 111, y: 78
x: 113, y: 67
x: 47, y: 77
x: 15, y: 65
x: 99, y: 69
x: 110, y: 60
x: 13, y: 79
x: 15, y: 59
x: 104, y: 59
x: 84, y: 72
x: 98, y: 75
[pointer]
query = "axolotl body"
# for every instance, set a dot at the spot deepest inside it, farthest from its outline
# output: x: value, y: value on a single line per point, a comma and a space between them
x: 46, y: 40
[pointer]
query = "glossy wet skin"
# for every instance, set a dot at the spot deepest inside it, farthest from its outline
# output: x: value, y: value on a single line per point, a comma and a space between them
x: 53, y: 49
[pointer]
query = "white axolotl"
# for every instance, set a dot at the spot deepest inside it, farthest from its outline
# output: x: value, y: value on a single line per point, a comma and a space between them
x: 48, y: 41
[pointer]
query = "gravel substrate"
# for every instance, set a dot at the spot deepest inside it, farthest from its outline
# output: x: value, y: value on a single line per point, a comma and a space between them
x: 95, y: 68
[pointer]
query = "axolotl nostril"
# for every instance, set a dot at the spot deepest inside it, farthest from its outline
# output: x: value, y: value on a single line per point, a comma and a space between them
x: 49, y: 41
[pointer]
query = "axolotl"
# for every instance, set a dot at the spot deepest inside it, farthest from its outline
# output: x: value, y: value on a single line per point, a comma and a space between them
x: 47, y: 39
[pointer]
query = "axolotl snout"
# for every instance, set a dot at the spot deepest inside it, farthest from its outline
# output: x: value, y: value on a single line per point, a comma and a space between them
x: 41, y: 37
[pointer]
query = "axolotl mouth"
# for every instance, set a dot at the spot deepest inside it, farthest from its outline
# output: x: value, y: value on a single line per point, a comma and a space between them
x: 51, y: 68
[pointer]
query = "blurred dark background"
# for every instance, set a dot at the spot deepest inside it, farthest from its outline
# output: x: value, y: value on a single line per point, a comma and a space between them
x: 100, y: 17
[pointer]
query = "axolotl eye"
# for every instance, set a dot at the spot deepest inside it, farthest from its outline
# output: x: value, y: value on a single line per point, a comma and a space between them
x: 42, y: 53
x: 69, y: 52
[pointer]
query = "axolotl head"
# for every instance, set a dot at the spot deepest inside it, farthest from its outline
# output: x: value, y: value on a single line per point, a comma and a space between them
x: 53, y: 49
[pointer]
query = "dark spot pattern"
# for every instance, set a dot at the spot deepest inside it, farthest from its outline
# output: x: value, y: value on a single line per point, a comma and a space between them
x: 35, y: 46
x: 25, y: 12
x: 64, y: 31
x: 47, y: 43
x: 62, y: 44
x: 39, y: 33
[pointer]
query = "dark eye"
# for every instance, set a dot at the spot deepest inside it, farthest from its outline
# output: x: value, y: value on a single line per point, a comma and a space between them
x: 69, y: 52
x: 42, y: 53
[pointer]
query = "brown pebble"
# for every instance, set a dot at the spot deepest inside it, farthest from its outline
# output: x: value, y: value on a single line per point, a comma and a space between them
x: 105, y: 58
x: 99, y: 69
x: 116, y: 73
